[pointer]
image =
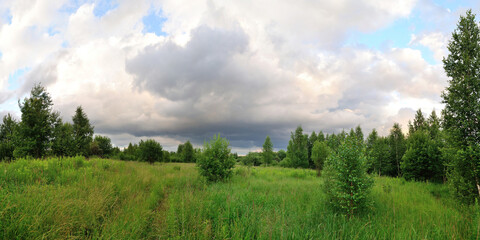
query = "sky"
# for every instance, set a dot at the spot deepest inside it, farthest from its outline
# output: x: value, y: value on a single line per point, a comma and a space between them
x: 178, y: 70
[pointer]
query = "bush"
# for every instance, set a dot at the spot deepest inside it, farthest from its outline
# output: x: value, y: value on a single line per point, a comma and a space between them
x: 150, y: 151
x: 286, y: 162
x: 346, y: 182
x: 216, y: 162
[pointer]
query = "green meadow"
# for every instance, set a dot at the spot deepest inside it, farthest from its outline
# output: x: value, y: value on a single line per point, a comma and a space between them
x: 74, y: 198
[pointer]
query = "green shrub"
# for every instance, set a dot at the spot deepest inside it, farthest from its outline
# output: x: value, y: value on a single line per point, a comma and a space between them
x: 216, y: 162
x: 346, y: 182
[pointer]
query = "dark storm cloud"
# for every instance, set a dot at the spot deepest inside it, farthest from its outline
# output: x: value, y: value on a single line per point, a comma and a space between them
x: 204, y: 66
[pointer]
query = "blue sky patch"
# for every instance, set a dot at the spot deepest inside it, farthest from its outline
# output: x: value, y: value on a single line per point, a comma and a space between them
x: 153, y: 23
x: 14, y: 78
x: 6, y: 17
x: 103, y: 7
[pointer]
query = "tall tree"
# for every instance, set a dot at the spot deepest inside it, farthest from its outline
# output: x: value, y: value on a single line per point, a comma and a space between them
x: 149, y: 151
x: 36, y: 127
x: 397, y: 148
x: 311, y: 140
x: 419, y: 122
x: 8, y: 130
x: 188, y: 153
x: 297, y: 149
x: 82, y: 132
x: 267, y: 153
x: 359, y: 134
x: 320, y: 136
x: 63, y: 143
x: 434, y: 125
x: 320, y: 152
x: 422, y: 160
x: 462, y: 106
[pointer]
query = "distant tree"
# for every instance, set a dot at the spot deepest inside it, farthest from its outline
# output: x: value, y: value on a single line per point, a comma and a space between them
x: 252, y: 159
x: 320, y: 136
x: 379, y: 159
x: 267, y: 153
x: 8, y: 130
x: 419, y: 122
x: 63, y: 143
x: 104, y: 145
x: 320, y: 152
x: 37, y: 124
x: 180, y: 150
x: 422, y: 160
x: 188, y: 153
x: 297, y: 150
x: 311, y: 140
x: 215, y: 163
x: 434, y: 125
x: 150, y: 151
x: 396, y: 141
x: 95, y: 149
x: 166, y: 156
x: 82, y: 132
x: 281, y: 154
x: 131, y: 152
x: 359, y: 134
x: 411, y: 129
x: 346, y: 182
x: 462, y: 107
x: 333, y: 141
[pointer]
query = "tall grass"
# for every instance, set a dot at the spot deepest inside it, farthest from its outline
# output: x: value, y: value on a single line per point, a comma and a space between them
x: 277, y: 203
x: 78, y: 198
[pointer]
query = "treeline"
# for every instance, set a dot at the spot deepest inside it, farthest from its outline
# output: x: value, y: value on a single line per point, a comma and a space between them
x: 41, y: 132
x: 418, y: 155
x: 135, y: 152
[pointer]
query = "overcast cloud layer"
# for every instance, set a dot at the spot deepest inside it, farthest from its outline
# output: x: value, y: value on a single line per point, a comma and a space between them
x: 178, y: 70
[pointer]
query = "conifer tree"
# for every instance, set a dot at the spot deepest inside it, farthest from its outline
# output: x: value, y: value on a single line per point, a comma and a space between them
x: 82, y: 132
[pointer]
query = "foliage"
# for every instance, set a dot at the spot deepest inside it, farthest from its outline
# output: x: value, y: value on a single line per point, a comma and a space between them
x: 63, y: 143
x: 188, y: 152
x: 310, y: 141
x: 101, y: 146
x: 377, y: 153
x: 150, y: 151
x: 396, y: 141
x: 8, y: 130
x: 216, y: 163
x: 320, y: 152
x: 281, y: 154
x: 346, y: 182
x: 463, y: 176
x: 36, y: 128
x: 297, y: 150
x: 422, y: 160
x: 462, y: 104
x: 252, y: 159
x: 82, y: 132
x: 267, y: 154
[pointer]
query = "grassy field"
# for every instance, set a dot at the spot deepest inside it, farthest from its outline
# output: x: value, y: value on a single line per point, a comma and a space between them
x: 76, y: 198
